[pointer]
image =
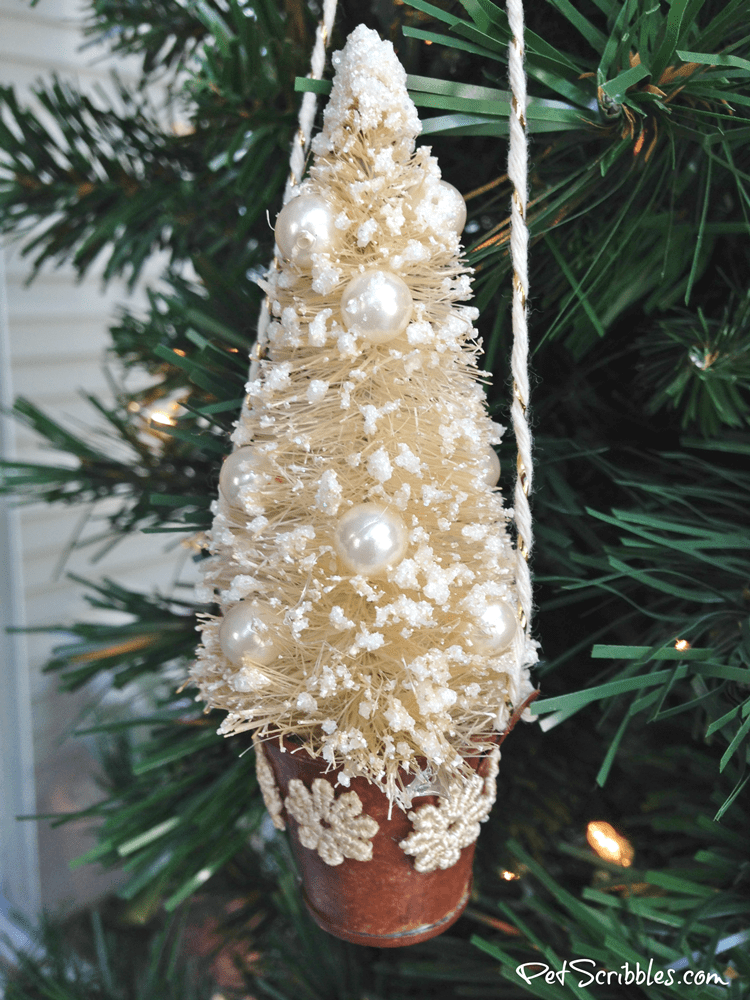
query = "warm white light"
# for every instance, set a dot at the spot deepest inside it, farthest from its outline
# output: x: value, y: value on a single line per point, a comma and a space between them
x: 509, y: 876
x: 682, y: 644
x: 609, y: 844
x: 160, y: 417
x: 162, y: 412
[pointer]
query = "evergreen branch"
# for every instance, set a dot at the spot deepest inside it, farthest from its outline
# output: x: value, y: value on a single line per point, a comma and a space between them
x: 700, y: 365
x: 119, y: 963
x: 668, y: 537
x: 184, y: 460
x: 160, y: 634
x: 620, y: 104
x: 178, y: 784
x: 623, y: 502
x: 119, y: 183
x: 624, y: 925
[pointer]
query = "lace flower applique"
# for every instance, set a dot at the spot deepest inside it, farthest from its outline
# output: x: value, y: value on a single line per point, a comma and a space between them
x: 268, y: 788
x: 442, y: 831
x: 331, y: 826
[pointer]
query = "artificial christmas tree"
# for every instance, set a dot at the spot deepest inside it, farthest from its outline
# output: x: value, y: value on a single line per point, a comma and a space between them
x: 637, y: 122
x: 360, y: 549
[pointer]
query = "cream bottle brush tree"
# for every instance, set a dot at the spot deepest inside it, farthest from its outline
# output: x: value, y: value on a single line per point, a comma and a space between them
x: 360, y: 551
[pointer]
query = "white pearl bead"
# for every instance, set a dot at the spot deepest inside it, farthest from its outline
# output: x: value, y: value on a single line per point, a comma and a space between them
x: 448, y: 205
x: 370, y: 538
x: 239, y: 469
x: 490, y: 467
x: 454, y: 206
x: 497, y: 628
x: 377, y: 305
x: 304, y: 226
x: 246, y: 631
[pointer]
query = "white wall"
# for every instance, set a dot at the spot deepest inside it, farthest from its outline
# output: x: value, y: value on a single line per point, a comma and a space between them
x: 53, y: 337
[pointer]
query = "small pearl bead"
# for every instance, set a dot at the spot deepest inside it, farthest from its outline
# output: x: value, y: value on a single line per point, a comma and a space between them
x: 490, y: 467
x: 449, y: 206
x: 370, y: 538
x: 377, y: 305
x: 304, y: 226
x: 245, y: 631
x: 454, y: 206
x: 239, y: 469
x: 497, y: 628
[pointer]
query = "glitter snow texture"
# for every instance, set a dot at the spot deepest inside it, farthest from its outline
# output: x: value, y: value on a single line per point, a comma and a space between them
x: 373, y: 671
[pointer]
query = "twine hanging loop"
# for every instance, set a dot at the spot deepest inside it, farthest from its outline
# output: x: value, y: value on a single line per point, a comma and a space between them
x: 298, y: 155
x: 519, y: 247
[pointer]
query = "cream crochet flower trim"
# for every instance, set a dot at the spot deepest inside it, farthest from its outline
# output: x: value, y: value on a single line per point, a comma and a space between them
x: 268, y: 787
x: 441, y: 831
x: 332, y: 827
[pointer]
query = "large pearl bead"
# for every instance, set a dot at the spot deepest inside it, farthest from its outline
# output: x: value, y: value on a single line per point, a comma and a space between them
x: 497, y: 628
x: 304, y: 226
x: 377, y: 305
x: 490, y: 467
x: 370, y: 538
x: 448, y: 207
x: 245, y: 631
x: 239, y: 469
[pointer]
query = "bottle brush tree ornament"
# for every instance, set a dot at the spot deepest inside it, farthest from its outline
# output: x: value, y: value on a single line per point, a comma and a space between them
x: 359, y: 552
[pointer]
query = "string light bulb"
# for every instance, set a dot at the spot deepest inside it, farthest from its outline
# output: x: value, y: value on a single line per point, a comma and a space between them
x: 164, y: 412
x: 609, y: 844
x: 161, y: 417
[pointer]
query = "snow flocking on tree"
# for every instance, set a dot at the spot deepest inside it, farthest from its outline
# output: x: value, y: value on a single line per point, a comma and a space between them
x: 359, y: 549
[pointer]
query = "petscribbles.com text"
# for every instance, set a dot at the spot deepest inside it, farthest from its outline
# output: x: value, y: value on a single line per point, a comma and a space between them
x: 626, y: 975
